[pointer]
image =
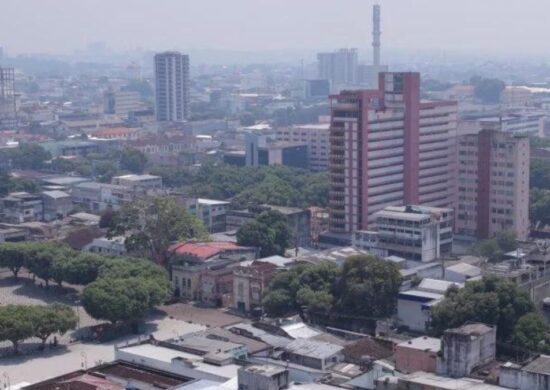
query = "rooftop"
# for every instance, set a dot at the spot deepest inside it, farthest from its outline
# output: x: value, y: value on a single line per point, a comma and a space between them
x: 137, y: 177
x: 540, y: 365
x: 56, y: 194
x: 465, y: 269
x: 474, y: 328
x: 435, y: 285
x: 203, y: 249
x: 423, y: 344
x: 313, y: 349
x: 211, y: 202
x: 167, y: 355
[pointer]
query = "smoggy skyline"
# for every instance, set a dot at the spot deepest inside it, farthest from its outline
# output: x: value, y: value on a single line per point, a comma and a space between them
x: 506, y: 27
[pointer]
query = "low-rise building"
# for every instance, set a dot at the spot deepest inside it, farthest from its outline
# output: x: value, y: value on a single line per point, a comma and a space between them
x: 250, y: 283
x: 466, y: 348
x: 312, y: 353
x: 211, y: 212
x: 97, y: 197
x: 412, y: 232
x: 262, y: 378
x: 20, y: 207
x: 419, y: 354
x: 140, y: 184
x: 56, y: 204
x: 534, y: 375
x: 107, y: 246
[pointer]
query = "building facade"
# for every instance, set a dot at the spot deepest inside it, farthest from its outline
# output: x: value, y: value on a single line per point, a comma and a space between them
x: 492, y: 187
x: 339, y: 67
x: 315, y: 136
x: 410, y: 232
x: 8, y: 99
x: 172, y: 95
x: 386, y: 148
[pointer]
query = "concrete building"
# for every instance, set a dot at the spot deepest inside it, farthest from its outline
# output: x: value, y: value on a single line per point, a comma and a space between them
x: 315, y: 136
x: 466, y: 348
x: 107, y: 246
x: 96, y: 197
x: 172, y: 89
x: 492, y: 186
x: 117, y: 133
x: 428, y: 381
x: 534, y: 375
x: 56, y: 205
x: 386, y: 148
x: 121, y: 103
x: 298, y: 220
x: 411, y: 232
x: 262, y: 378
x: 312, y: 353
x: 8, y: 99
x: 139, y: 184
x: 211, y: 212
x: 316, y: 89
x: 419, y: 354
x: 250, y: 282
x: 19, y: 207
x: 515, y: 122
x: 339, y: 67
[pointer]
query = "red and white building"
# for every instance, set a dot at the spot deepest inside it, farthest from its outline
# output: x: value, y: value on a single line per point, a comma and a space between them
x: 387, y: 147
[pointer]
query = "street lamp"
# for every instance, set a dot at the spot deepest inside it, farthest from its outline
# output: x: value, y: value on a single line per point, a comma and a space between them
x: 7, y: 381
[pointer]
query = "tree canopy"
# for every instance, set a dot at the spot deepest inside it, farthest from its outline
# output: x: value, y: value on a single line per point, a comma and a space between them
x: 20, y: 322
x: 151, y: 224
x: 364, y: 286
x: 491, y: 300
x: 488, y: 90
x: 277, y: 185
x: 494, y: 248
x: 269, y: 232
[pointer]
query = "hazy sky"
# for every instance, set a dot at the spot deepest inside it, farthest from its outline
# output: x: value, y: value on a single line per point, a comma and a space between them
x: 61, y: 26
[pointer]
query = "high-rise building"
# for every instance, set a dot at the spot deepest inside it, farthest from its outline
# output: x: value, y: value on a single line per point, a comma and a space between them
x: 492, y: 186
x: 8, y: 99
x: 388, y: 148
x: 339, y: 67
x: 122, y: 102
x: 172, y: 95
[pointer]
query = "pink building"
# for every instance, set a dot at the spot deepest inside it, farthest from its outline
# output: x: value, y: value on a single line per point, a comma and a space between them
x: 492, y: 187
x: 387, y: 147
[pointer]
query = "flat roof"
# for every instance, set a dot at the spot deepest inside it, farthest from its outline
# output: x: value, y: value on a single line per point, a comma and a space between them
x: 540, y: 365
x: 314, y: 126
x: 166, y: 355
x: 436, y: 285
x: 212, y: 202
x: 423, y: 344
x: 65, y: 180
x: 137, y: 177
x: 465, y: 269
x: 312, y: 348
x: 419, y: 294
x: 300, y: 330
x: 56, y: 194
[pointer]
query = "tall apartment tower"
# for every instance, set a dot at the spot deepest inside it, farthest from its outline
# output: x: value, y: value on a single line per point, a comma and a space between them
x: 172, y: 96
x: 8, y: 107
x: 492, y: 186
x: 387, y: 148
x: 339, y: 67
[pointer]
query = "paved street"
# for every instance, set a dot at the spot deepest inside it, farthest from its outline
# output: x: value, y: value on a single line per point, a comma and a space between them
x: 33, y: 366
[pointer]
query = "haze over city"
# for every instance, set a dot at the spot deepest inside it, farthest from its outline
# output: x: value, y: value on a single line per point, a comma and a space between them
x: 500, y: 27
x: 274, y: 195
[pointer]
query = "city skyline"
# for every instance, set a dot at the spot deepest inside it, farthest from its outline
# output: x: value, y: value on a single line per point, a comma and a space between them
x: 470, y: 26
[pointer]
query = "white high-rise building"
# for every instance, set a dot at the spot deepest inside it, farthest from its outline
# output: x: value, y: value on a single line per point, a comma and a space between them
x: 339, y: 67
x: 172, y: 96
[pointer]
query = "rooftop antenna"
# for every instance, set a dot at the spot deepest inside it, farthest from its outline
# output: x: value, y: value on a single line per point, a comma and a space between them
x: 376, y: 33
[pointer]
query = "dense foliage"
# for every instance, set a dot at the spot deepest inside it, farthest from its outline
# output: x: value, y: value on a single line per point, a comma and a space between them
x: 488, y: 90
x: 9, y: 184
x: 269, y: 232
x: 146, y: 283
x: 20, y: 322
x: 491, y: 300
x: 151, y: 224
x: 365, y: 286
x: 25, y: 156
x: 494, y: 248
x: 276, y: 185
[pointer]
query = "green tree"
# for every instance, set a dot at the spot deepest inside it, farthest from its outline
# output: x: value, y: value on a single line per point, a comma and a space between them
x: 532, y: 332
x: 16, y: 324
x: 151, y: 224
x: 12, y: 257
x: 277, y: 303
x: 491, y: 300
x: 56, y: 318
x: 133, y: 160
x: 369, y: 286
x: 82, y: 268
x: 488, y: 90
x: 269, y: 232
x: 494, y: 249
x: 123, y: 299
